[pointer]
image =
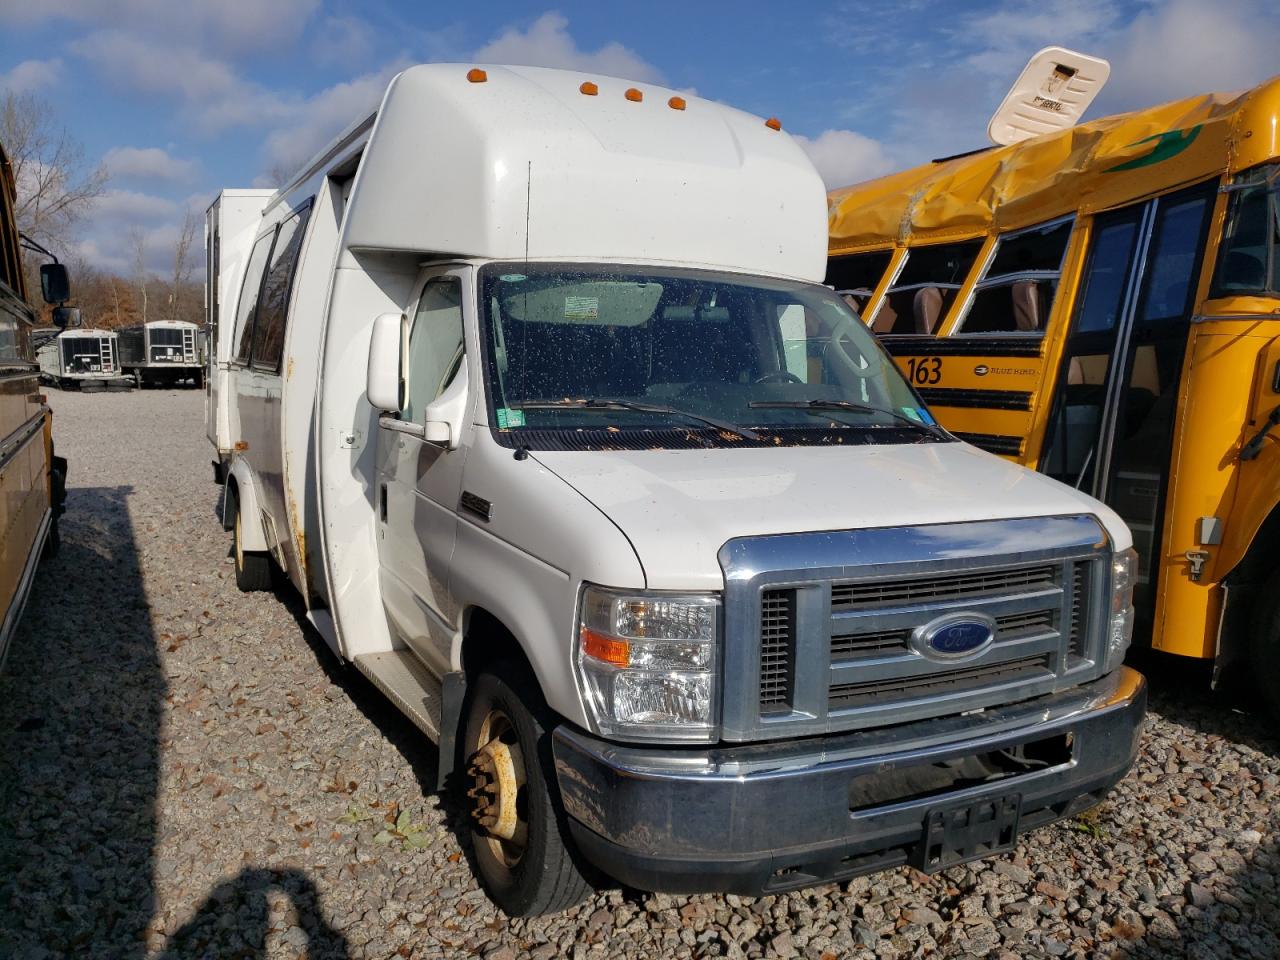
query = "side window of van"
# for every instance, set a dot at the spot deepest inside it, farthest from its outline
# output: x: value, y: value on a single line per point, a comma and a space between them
x: 435, y: 344
x: 1017, y: 291
x: 247, y: 306
x: 273, y: 302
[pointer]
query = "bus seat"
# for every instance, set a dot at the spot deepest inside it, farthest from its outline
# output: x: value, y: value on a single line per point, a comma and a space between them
x: 886, y: 318
x: 926, y: 305
x: 1146, y: 372
x: 1026, y: 305
x: 1243, y: 271
x: 1075, y: 372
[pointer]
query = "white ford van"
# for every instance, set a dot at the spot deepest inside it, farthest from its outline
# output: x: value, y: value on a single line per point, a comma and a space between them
x: 536, y: 397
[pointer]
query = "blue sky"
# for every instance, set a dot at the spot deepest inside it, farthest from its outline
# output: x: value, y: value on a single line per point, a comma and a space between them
x: 180, y: 99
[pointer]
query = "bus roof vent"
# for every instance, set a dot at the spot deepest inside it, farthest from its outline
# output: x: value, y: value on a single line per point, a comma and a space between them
x: 1054, y: 90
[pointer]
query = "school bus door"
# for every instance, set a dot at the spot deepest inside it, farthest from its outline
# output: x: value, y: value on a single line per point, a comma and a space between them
x: 1112, y: 428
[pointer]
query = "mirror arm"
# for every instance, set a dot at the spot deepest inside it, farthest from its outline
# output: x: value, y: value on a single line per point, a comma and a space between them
x: 395, y: 424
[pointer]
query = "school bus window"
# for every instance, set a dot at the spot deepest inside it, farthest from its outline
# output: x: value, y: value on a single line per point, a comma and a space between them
x: 856, y: 277
x: 925, y: 288
x: 1249, y: 262
x: 1018, y: 290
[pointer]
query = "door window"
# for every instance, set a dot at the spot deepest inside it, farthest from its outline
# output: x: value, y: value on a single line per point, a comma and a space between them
x: 273, y: 303
x: 1017, y: 292
x: 435, y: 344
x: 248, y: 303
x: 925, y: 288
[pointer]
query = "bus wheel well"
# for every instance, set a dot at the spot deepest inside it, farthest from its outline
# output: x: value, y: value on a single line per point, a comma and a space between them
x: 230, y: 494
x: 486, y: 640
x: 1243, y: 594
x: 1259, y: 559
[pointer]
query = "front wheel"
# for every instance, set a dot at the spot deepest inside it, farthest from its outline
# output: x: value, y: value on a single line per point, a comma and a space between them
x: 1264, y: 644
x: 253, y: 567
x: 521, y: 848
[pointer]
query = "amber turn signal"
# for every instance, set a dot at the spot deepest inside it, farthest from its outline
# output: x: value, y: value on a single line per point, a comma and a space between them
x: 634, y: 95
x: 476, y: 75
x: 589, y: 88
x: 607, y: 649
x: 676, y: 103
x: 773, y: 123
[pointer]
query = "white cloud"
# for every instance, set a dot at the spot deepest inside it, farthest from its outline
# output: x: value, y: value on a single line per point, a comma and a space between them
x: 314, y: 122
x: 231, y: 27
x: 343, y: 40
x: 547, y: 43
x: 148, y: 163
x: 126, y: 207
x: 845, y: 157
x: 31, y: 75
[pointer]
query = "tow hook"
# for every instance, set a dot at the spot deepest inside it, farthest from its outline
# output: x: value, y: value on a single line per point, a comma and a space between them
x: 1197, y: 559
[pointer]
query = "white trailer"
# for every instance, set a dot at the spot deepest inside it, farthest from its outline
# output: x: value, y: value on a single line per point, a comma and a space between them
x: 162, y: 353
x: 84, y: 358
x: 230, y: 224
x: 539, y: 401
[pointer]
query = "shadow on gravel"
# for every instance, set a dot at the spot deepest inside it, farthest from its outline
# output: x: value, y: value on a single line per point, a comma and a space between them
x: 80, y: 718
x: 243, y: 902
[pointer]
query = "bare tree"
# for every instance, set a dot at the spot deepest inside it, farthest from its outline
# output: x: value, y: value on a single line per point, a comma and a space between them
x: 182, y: 260
x: 55, y: 184
x: 138, y: 244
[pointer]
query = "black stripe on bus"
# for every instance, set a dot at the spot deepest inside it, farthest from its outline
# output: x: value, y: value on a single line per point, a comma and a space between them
x: 992, y: 442
x: 988, y: 399
x: 901, y: 345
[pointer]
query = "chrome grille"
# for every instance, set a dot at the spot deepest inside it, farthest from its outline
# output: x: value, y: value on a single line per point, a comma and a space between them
x: 852, y: 596
x: 821, y: 630
x: 946, y: 682
x: 776, y: 632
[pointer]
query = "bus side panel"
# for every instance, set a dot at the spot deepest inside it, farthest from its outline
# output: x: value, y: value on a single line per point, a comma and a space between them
x: 982, y: 389
x: 1223, y: 370
x: 1257, y: 488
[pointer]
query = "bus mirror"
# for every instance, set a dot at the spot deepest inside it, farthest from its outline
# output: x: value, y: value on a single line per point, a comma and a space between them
x: 64, y: 317
x: 54, y: 284
x: 445, y: 414
x: 384, y: 379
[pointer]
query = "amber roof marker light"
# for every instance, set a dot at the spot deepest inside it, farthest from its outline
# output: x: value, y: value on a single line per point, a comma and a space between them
x: 676, y: 103
x: 634, y: 95
x: 773, y: 123
x: 588, y: 88
x: 476, y: 75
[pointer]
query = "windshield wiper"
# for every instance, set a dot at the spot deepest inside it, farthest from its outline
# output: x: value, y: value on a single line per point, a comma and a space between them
x: 817, y: 406
x: 600, y: 403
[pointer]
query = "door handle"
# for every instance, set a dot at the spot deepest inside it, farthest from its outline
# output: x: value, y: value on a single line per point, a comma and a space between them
x: 382, y: 502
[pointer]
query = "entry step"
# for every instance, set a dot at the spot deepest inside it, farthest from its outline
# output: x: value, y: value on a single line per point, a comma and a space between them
x: 402, y: 677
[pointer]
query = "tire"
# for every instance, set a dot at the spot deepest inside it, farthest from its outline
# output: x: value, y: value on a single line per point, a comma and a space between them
x: 1264, y: 644
x: 253, y: 567
x: 539, y: 876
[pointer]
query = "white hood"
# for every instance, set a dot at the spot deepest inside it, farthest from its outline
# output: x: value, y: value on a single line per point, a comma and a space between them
x: 678, y: 507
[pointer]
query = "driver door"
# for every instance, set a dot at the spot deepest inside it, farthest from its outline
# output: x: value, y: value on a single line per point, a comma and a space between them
x: 419, y: 482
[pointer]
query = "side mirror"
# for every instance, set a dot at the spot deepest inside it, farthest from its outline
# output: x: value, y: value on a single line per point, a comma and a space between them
x: 64, y: 317
x: 384, y: 379
x: 444, y: 415
x: 54, y: 283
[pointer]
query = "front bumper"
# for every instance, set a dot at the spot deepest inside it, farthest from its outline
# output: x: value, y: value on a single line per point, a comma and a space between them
x: 762, y: 818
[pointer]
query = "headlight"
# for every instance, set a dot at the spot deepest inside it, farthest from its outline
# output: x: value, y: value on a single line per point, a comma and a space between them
x: 1124, y: 572
x: 647, y: 663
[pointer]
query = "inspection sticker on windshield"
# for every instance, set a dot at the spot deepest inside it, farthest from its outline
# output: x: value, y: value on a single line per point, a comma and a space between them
x: 508, y: 418
x: 918, y: 415
x: 581, y: 308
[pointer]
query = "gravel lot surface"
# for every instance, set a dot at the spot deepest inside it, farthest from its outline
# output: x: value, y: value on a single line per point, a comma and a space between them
x: 186, y: 772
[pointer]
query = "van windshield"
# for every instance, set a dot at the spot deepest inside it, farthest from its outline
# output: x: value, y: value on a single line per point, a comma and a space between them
x: 611, y: 357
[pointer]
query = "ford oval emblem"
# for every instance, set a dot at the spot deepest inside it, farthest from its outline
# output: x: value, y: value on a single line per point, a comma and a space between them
x: 955, y: 636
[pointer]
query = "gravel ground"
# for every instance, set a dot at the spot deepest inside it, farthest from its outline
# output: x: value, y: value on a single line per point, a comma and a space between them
x: 186, y: 772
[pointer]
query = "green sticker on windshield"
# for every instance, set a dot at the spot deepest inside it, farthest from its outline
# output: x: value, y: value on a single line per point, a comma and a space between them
x: 508, y: 418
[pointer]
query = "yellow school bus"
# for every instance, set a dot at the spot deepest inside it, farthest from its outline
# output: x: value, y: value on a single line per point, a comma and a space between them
x: 31, y: 477
x: 1103, y: 305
